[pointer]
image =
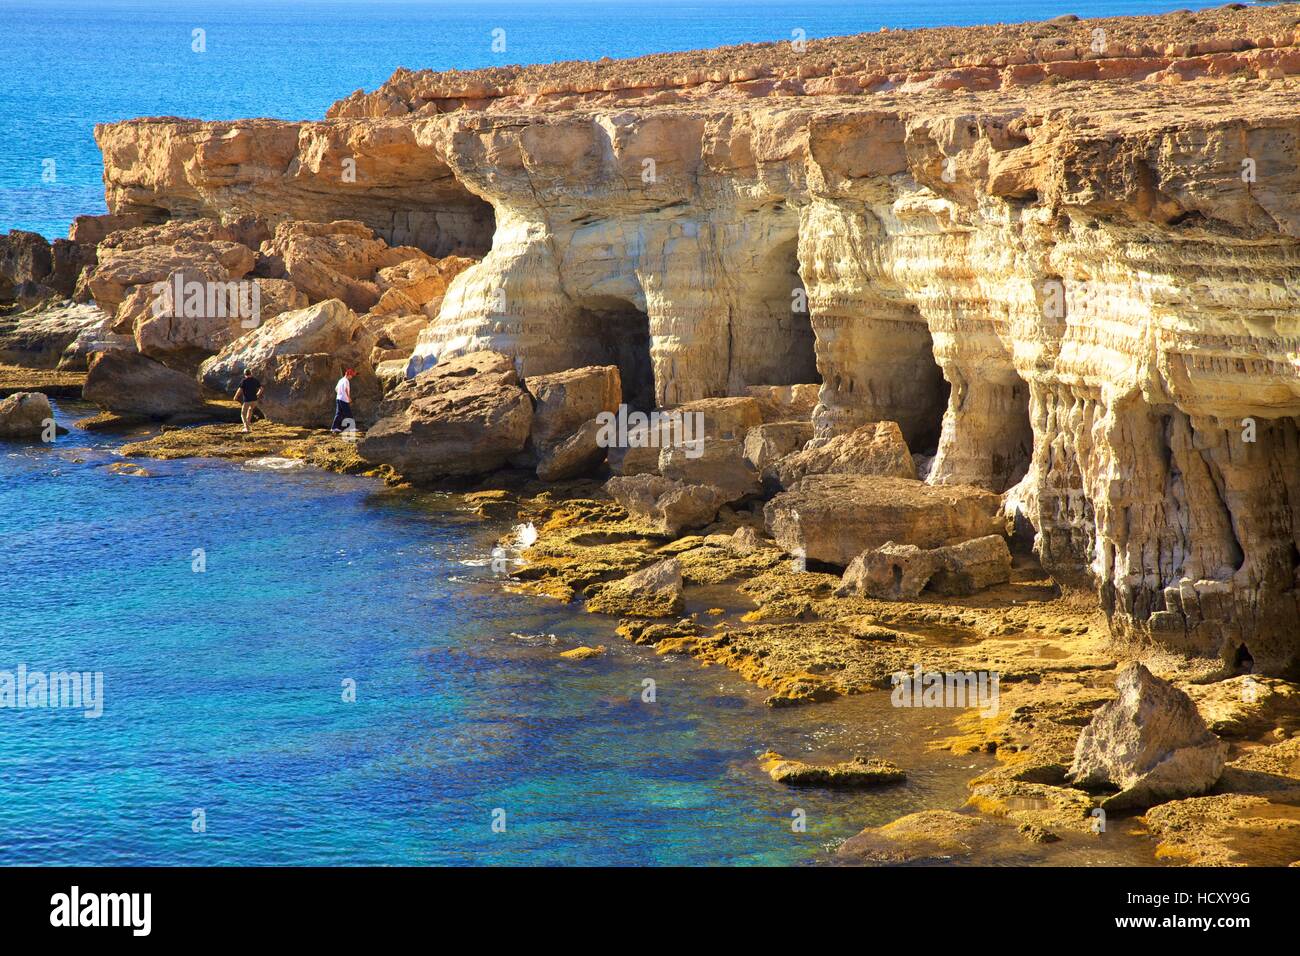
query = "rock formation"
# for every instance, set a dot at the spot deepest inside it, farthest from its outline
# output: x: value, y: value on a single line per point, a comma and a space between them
x: 24, y: 415
x: 1150, y: 742
x: 1061, y: 256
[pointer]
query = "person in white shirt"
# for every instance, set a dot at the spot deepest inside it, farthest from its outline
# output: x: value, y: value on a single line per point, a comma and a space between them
x: 343, y: 403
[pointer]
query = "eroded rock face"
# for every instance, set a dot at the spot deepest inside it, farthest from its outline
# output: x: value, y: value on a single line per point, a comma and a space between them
x: 834, y: 518
x: 298, y: 357
x: 1150, y: 742
x: 894, y: 572
x: 1041, y: 262
x: 467, y: 416
x: 24, y: 415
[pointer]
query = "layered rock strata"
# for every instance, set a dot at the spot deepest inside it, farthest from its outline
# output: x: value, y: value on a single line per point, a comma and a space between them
x: 1061, y: 256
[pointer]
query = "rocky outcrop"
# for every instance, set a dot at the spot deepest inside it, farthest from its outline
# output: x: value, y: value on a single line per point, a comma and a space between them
x: 34, y: 271
x: 24, y: 415
x: 298, y: 357
x: 655, y: 591
x: 467, y: 416
x: 894, y: 572
x: 129, y: 383
x: 670, y: 507
x: 1150, y: 742
x: 859, y: 773
x: 1060, y: 256
x: 834, y: 518
x: 39, y: 337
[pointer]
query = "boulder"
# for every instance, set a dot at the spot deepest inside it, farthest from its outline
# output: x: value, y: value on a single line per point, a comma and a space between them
x: 466, y: 416
x: 655, y: 591
x: 562, y: 401
x: 25, y: 262
x: 24, y: 414
x: 417, y: 285
x: 876, y: 448
x: 726, y: 418
x: 766, y: 443
x: 39, y: 337
x: 1150, y: 742
x: 299, y: 356
x: 181, y: 331
x: 129, y: 383
x: 719, y: 462
x: 834, y: 518
x: 125, y: 266
x: 666, y: 505
x: 783, y: 403
x: 579, y: 454
x: 893, y: 572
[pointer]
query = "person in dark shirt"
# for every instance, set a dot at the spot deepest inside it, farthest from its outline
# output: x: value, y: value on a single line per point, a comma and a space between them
x: 248, y: 394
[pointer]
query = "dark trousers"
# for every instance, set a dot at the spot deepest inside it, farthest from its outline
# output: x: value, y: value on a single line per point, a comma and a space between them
x: 342, y: 413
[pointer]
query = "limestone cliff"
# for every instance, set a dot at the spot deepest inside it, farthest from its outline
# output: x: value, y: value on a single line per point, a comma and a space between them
x: 1064, y: 257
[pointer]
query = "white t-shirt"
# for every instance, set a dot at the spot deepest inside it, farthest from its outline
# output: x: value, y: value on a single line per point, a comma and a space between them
x: 343, y: 390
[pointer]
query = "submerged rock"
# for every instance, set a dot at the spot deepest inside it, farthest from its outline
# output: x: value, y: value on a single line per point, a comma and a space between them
x: 858, y: 773
x: 655, y: 591
x: 894, y: 572
x: 834, y: 518
x: 1150, y: 742
x: 583, y: 653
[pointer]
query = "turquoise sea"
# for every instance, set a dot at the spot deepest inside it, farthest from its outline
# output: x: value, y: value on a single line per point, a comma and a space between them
x: 224, y: 687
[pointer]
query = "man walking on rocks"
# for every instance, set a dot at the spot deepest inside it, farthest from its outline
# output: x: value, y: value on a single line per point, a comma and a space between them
x: 248, y: 394
x: 343, y: 402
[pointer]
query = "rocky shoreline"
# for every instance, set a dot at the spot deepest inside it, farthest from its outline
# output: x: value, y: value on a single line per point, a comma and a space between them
x: 887, y: 458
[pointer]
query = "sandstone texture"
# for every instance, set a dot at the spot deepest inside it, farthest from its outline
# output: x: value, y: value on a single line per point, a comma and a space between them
x: 1150, y: 742
x: 133, y: 384
x: 467, y: 416
x: 877, y: 448
x: 670, y: 507
x: 897, y: 571
x: 834, y: 518
x: 39, y: 337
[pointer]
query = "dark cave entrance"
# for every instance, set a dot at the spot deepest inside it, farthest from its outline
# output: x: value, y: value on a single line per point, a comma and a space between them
x: 793, y: 346
x: 620, y: 333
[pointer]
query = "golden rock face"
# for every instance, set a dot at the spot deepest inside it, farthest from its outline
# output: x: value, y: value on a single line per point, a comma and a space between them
x: 1065, y: 275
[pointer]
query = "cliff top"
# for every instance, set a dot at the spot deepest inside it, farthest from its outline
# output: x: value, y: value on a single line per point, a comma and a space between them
x: 1065, y: 47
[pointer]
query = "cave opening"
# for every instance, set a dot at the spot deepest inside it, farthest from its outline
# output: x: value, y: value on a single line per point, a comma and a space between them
x: 619, y: 333
x: 1243, y: 662
x: 932, y: 391
x: 1013, y: 453
x: 459, y: 223
x: 772, y: 340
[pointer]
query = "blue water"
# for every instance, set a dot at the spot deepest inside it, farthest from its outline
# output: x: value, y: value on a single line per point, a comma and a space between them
x: 223, y: 691
x: 70, y: 64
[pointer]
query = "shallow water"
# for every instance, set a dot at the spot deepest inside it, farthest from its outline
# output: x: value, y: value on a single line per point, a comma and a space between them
x: 223, y: 691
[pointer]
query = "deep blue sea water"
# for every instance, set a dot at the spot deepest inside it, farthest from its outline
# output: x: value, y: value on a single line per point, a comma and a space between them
x: 70, y: 64
x: 223, y: 691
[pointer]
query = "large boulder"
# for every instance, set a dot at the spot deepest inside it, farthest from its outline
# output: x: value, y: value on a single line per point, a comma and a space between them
x: 668, y: 506
x: 466, y: 416
x: 894, y: 572
x: 95, y: 337
x: 876, y: 448
x: 766, y: 443
x: 129, y: 383
x: 565, y: 433
x: 834, y: 518
x: 298, y: 357
x: 39, y: 337
x: 24, y: 414
x: 417, y: 285
x: 782, y: 403
x: 1150, y: 742
x: 125, y: 266
x: 712, y: 446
